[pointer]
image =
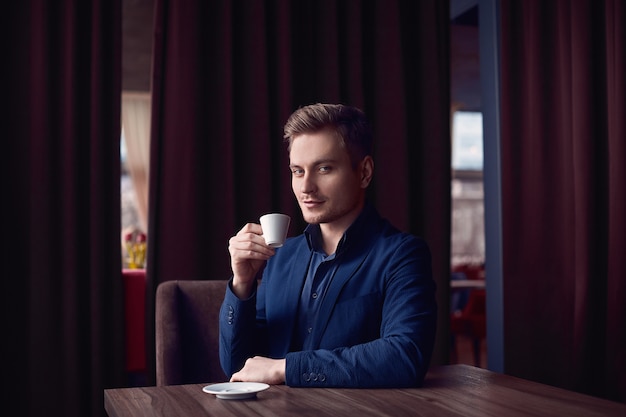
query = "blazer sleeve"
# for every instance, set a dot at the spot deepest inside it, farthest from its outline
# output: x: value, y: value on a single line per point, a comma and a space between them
x: 239, y: 332
x: 400, y: 356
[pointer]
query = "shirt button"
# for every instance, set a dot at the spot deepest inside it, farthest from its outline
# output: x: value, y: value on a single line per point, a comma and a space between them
x: 322, y: 377
x: 310, y: 329
x: 306, y: 377
x: 314, y: 295
x: 313, y: 377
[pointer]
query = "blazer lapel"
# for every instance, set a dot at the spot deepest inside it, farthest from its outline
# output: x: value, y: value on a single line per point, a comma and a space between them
x: 346, y: 269
x: 286, y: 289
x: 293, y: 287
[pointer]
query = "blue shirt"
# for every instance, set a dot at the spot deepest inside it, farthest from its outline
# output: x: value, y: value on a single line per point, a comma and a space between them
x: 320, y: 273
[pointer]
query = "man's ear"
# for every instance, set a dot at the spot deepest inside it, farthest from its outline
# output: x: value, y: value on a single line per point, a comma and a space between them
x: 367, y: 171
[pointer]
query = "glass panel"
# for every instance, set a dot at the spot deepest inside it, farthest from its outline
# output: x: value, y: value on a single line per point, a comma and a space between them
x: 467, y: 141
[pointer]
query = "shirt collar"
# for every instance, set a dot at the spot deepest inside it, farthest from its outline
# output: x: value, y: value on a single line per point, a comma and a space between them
x: 356, y: 231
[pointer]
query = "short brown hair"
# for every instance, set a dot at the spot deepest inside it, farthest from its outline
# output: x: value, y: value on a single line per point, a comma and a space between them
x: 348, y: 123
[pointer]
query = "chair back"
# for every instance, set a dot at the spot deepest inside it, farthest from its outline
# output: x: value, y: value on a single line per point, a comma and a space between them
x: 187, y: 332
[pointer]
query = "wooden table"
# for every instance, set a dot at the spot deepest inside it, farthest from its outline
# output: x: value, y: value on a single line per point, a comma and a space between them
x: 456, y: 390
x: 469, y: 284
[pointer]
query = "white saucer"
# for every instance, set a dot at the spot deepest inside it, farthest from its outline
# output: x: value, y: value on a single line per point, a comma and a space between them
x: 235, y: 390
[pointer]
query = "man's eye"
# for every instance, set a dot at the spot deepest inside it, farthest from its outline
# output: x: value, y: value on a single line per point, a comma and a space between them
x: 297, y: 172
x: 324, y: 169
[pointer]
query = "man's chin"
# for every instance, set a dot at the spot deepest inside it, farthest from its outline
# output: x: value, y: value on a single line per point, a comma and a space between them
x: 311, y: 218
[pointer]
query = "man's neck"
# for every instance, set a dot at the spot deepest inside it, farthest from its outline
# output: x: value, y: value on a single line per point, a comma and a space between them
x: 333, y: 232
x: 329, y: 243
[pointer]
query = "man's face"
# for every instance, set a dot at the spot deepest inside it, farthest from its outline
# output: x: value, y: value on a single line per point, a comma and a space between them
x: 327, y: 188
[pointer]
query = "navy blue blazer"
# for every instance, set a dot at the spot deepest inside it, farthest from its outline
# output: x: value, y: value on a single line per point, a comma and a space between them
x: 376, y: 324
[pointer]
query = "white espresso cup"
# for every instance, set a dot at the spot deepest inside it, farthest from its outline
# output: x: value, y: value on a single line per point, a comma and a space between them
x: 275, y: 227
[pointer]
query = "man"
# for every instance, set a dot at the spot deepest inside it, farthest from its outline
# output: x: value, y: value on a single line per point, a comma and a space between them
x: 350, y: 302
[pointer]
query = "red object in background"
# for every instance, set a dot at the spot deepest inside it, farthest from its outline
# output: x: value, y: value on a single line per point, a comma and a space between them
x: 471, y: 271
x: 134, y: 307
x: 472, y: 322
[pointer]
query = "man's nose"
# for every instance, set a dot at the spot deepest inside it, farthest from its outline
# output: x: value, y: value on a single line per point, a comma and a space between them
x: 307, y: 185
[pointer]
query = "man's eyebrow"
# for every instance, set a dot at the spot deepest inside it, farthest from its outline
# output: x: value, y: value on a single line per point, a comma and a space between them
x: 318, y: 162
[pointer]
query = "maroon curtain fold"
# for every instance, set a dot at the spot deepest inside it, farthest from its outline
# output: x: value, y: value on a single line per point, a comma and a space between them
x: 226, y: 77
x: 62, y: 297
x: 563, y: 179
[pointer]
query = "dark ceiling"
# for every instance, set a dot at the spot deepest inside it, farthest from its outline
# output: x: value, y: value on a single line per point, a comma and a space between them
x: 137, y: 16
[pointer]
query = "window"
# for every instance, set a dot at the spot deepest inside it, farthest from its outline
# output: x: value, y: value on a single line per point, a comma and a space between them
x: 467, y: 141
x: 468, y: 235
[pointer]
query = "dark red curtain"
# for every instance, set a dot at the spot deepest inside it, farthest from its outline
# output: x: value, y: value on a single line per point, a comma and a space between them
x: 61, y: 287
x: 226, y: 77
x: 564, y: 208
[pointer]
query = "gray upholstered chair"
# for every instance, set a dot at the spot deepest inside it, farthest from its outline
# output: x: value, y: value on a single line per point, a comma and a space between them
x: 187, y: 332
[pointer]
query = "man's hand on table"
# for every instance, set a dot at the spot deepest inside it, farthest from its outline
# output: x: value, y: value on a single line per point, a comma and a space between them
x: 260, y: 369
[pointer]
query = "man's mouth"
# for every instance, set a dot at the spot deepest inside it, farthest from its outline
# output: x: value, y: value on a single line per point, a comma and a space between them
x: 311, y: 203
